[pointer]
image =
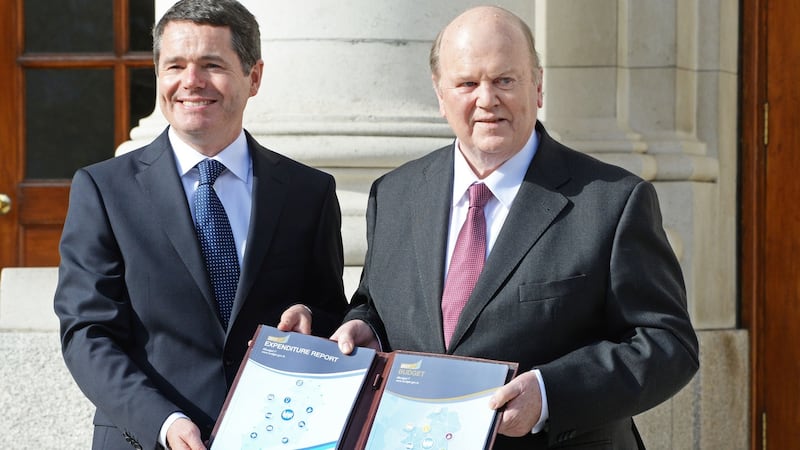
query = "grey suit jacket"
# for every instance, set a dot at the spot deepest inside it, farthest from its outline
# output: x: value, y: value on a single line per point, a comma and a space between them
x: 581, y: 284
x: 139, y: 327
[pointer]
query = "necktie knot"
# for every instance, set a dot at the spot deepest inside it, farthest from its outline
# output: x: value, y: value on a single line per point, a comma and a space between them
x: 479, y: 195
x: 210, y: 169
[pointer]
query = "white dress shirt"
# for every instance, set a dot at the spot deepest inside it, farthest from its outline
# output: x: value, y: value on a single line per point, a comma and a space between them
x: 233, y: 187
x: 504, y: 182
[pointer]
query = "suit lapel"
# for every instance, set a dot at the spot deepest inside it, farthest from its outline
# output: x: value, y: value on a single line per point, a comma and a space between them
x: 535, y: 207
x: 159, y: 180
x: 269, y: 196
x: 430, y: 224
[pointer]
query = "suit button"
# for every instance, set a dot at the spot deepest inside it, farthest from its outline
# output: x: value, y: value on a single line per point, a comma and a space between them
x: 566, y: 435
x: 131, y: 440
x: 228, y: 362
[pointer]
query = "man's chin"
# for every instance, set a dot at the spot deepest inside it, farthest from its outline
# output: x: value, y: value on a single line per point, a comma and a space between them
x: 193, y: 128
x: 493, y: 144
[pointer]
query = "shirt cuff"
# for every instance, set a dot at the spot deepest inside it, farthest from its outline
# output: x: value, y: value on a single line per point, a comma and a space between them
x: 545, y: 409
x: 374, y: 333
x: 162, y: 436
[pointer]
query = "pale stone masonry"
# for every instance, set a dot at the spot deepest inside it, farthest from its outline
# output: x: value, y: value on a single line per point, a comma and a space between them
x: 650, y: 85
x: 42, y: 407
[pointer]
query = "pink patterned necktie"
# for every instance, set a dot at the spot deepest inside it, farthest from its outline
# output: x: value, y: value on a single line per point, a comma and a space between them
x: 467, y: 261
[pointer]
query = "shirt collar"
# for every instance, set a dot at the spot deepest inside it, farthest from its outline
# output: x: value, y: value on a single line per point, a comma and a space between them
x: 504, y: 182
x: 235, y: 156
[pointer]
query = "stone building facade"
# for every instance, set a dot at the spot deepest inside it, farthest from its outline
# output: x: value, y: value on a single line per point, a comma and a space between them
x: 650, y: 85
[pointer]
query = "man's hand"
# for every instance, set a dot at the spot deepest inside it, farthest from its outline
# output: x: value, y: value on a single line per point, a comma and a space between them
x: 523, y: 405
x: 296, y: 318
x: 183, y: 434
x: 355, y: 333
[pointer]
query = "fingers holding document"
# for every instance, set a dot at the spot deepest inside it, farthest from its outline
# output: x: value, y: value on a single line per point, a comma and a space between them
x: 355, y: 333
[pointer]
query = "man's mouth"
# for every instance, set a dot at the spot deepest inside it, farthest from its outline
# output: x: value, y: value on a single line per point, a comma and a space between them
x: 196, y: 103
x: 490, y: 121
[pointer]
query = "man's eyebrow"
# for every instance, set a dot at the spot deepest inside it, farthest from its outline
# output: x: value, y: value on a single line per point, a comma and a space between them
x: 170, y: 60
x: 204, y: 58
x: 213, y: 57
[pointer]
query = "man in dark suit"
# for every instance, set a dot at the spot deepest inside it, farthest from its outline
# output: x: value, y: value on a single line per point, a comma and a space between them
x: 142, y: 331
x: 579, y: 284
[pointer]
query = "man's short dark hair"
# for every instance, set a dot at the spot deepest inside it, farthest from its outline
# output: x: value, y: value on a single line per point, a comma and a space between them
x: 245, y: 35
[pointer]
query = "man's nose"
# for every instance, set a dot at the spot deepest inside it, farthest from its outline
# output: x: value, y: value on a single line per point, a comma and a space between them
x: 486, y: 95
x: 192, y: 77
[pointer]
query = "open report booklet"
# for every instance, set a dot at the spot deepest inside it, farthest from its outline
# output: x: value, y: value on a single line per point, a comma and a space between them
x: 295, y: 391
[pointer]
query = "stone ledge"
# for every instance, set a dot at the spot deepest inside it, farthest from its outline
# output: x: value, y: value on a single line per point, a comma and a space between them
x: 712, y: 410
x: 26, y: 298
x: 42, y: 407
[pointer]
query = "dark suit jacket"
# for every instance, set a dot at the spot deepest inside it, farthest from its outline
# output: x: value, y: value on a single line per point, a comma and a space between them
x: 581, y: 284
x: 139, y: 327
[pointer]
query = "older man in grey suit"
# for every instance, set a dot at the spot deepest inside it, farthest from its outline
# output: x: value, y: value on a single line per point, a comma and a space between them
x: 579, y: 284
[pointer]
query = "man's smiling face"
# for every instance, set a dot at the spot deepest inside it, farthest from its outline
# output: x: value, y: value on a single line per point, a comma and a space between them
x: 203, y: 88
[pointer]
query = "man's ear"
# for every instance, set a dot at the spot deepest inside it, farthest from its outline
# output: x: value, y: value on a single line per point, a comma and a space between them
x: 437, y: 89
x: 256, y: 73
x: 539, y: 89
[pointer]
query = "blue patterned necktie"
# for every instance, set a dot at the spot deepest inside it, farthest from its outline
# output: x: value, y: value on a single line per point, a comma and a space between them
x: 216, y: 239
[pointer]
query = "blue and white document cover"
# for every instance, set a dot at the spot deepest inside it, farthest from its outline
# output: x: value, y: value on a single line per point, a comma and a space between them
x: 437, y: 402
x: 292, y: 392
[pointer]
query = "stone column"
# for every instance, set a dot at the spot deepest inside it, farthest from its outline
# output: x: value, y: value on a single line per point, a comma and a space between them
x: 624, y: 81
x: 584, y: 89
